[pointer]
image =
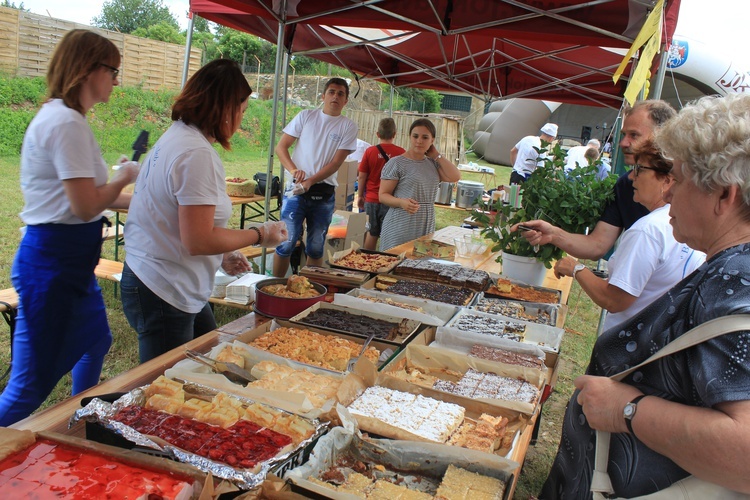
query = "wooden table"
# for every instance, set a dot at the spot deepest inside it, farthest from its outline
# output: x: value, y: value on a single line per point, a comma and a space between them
x: 253, y: 202
x: 55, y: 418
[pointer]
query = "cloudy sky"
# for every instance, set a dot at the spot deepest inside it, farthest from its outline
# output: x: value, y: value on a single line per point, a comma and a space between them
x: 723, y: 26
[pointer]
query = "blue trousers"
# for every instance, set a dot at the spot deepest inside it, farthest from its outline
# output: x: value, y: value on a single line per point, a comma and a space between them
x: 161, y: 327
x: 62, y: 322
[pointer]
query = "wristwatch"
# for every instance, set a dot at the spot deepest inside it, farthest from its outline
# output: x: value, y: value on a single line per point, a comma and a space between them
x: 578, y: 267
x: 629, y: 412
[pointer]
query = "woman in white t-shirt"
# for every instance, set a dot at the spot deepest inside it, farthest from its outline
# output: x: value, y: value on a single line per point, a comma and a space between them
x: 62, y: 322
x: 176, y: 236
x: 648, y: 260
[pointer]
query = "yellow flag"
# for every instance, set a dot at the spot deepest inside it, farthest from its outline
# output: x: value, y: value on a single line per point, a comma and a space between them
x: 651, y: 27
x: 641, y: 73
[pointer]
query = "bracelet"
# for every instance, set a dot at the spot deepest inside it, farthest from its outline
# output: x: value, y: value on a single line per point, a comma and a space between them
x: 260, y: 235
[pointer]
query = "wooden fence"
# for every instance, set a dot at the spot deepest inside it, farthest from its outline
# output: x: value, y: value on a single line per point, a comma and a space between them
x: 448, y: 129
x: 28, y: 40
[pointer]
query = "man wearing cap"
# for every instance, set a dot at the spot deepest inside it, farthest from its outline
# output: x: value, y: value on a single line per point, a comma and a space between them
x: 576, y: 156
x: 525, y: 158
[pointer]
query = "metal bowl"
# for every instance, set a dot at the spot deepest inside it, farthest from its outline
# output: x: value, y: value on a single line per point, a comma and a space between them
x: 283, y: 307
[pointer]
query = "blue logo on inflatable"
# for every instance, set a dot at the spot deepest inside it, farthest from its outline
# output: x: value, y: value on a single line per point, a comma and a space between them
x: 678, y: 53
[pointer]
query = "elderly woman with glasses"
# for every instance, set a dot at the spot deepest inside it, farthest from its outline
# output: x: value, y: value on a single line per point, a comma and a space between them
x: 62, y: 323
x: 648, y: 261
x: 686, y: 414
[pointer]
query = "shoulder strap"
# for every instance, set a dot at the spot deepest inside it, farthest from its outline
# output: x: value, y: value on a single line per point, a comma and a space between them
x: 601, y: 484
x: 382, y: 152
x: 705, y: 331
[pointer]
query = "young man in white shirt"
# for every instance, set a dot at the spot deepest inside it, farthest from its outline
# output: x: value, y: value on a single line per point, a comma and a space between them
x: 324, y: 139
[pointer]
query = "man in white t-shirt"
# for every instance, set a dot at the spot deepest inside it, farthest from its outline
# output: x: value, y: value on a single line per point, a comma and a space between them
x: 576, y: 156
x: 324, y: 139
x: 524, y: 156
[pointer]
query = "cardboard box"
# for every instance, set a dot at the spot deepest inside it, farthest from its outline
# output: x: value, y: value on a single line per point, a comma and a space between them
x: 355, y: 232
x: 347, y: 173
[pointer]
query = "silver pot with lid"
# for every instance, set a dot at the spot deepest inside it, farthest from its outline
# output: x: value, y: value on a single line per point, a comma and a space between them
x: 444, y: 193
x: 467, y: 193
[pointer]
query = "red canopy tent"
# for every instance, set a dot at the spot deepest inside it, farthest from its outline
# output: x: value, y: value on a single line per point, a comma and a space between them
x: 550, y: 50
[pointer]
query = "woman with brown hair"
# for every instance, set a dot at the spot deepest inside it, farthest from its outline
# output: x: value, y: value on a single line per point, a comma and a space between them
x: 648, y: 260
x: 62, y: 322
x: 176, y: 236
x: 409, y: 184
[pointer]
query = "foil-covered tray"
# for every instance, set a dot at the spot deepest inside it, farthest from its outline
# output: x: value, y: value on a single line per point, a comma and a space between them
x: 103, y: 413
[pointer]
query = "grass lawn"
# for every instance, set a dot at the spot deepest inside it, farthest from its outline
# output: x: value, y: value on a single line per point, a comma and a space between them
x: 577, y: 343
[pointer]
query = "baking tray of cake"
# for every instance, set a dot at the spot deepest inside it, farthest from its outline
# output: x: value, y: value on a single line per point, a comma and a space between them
x: 547, y: 338
x: 430, y: 290
x: 396, y: 409
x: 535, y: 312
x: 344, y: 278
x: 56, y: 466
x: 345, y: 462
x: 233, y: 438
x: 370, y: 261
x: 427, y: 312
x: 302, y: 389
x: 445, y: 371
x: 361, y: 322
x: 441, y: 271
x: 310, y: 346
x: 516, y: 290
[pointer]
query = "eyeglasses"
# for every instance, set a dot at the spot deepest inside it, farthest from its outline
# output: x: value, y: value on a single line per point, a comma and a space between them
x: 114, y: 70
x: 637, y: 169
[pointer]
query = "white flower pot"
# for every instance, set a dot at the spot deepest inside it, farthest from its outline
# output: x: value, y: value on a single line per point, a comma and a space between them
x: 525, y: 269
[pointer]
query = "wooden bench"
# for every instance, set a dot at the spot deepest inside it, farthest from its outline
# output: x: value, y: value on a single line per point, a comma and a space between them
x: 112, y: 270
x: 9, y: 309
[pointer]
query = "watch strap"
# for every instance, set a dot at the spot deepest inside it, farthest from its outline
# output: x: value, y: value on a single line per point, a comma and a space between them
x: 577, y: 269
x: 628, y: 421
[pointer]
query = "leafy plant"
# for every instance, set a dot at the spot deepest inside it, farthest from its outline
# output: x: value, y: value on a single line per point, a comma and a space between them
x: 571, y: 201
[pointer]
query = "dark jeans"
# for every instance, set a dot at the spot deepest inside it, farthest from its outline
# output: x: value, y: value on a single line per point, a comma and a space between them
x: 160, y: 326
x: 516, y: 178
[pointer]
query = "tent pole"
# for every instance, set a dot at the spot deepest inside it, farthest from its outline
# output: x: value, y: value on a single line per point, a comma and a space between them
x: 659, y: 81
x: 188, y: 44
x: 272, y: 139
x: 390, y: 111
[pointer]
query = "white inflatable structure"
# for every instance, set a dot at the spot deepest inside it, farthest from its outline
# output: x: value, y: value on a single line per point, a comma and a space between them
x: 706, y: 67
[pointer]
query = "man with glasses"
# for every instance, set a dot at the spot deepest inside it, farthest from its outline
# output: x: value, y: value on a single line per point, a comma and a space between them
x: 638, y: 127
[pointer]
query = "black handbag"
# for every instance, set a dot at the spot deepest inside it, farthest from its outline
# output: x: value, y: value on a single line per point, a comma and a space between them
x: 261, y: 181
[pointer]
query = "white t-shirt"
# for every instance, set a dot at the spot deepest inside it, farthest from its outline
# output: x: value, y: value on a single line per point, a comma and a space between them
x: 576, y: 158
x: 181, y: 169
x: 648, y: 262
x: 526, y: 160
x: 58, y: 145
x: 319, y: 136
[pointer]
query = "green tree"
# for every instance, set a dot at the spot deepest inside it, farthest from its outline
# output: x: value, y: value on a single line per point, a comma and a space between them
x: 239, y: 46
x: 12, y: 5
x: 413, y: 99
x: 163, y: 31
x: 126, y: 16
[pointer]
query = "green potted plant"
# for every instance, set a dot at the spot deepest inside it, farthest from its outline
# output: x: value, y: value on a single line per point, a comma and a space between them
x: 572, y: 201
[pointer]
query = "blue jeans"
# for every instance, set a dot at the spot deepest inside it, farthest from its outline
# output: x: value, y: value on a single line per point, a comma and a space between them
x: 62, y: 322
x: 316, y: 213
x: 160, y: 326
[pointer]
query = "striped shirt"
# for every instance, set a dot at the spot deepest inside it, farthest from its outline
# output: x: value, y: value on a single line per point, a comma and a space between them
x: 419, y: 180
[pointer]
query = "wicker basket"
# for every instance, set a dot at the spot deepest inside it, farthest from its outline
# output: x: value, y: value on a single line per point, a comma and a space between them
x: 244, y: 188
